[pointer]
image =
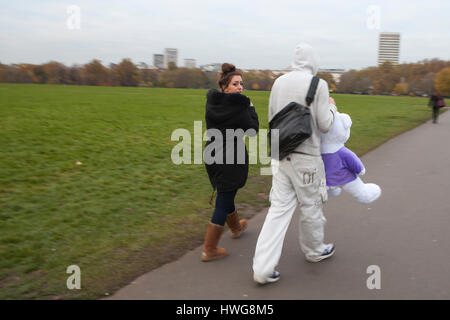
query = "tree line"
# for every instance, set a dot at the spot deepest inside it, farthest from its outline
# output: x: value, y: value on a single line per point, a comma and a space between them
x: 404, y: 79
x: 126, y: 73
x: 420, y: 78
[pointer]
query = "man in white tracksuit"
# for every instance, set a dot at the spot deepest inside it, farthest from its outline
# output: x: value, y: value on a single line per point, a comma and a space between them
x: 300, y: 177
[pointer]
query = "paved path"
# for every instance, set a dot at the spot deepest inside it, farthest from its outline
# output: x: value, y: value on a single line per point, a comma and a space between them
x: 406, y: 233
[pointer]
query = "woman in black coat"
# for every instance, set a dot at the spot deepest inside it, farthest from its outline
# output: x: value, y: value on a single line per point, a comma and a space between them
x: 228, y: 171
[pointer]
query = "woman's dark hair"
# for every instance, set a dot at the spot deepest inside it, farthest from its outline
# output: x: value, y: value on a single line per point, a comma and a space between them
x: 228, y: 71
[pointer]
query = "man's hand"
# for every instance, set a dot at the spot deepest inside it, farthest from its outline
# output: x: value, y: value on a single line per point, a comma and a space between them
x: 331, y: 101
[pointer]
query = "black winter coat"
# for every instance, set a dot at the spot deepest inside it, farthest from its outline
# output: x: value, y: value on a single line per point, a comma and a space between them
x: 228, y: 111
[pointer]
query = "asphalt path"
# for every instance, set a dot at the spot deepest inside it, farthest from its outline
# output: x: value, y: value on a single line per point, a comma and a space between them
x: 395, y: 248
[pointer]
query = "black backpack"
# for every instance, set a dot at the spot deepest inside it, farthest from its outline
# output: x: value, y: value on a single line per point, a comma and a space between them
x: 293, y: 123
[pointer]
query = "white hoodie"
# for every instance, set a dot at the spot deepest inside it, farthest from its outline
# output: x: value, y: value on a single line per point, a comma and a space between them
x: 294, y: 86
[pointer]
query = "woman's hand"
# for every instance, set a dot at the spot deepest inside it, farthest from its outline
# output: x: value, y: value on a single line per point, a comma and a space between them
x: 251, y: 104
x: 331, y: 101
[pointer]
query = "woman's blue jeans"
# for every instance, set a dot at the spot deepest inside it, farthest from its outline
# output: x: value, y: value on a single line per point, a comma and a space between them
x: 224, y: 206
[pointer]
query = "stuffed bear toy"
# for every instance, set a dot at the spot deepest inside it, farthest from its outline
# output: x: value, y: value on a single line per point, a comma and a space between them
x: 342, y: 166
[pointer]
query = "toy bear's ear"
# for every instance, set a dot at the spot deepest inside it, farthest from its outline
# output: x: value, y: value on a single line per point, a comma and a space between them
x: 346, y: 120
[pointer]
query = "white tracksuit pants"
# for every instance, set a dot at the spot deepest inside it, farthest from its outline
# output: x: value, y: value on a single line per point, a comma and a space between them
x: 297, y: 179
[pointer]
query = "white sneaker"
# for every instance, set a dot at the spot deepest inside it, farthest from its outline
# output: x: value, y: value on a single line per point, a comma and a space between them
x: 328, y: 252
x: 274, y: 277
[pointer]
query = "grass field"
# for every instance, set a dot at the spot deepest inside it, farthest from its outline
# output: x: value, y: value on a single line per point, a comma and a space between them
x: 126, y: 208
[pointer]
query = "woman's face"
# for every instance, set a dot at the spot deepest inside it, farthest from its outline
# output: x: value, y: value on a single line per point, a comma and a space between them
x: 236, y: 85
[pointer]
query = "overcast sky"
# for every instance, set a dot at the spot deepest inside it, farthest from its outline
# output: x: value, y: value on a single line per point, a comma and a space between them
x: 251, y: 34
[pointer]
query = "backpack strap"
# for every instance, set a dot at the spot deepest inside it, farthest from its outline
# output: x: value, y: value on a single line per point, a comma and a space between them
x: 312, y: 90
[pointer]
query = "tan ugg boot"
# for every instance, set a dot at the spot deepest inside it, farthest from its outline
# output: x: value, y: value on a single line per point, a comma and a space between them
x: 236, y: 226
x: 212, y: 237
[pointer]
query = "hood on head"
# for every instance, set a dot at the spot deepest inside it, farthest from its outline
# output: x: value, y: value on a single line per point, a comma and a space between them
x: 338, y: 135
x: 305, y: 58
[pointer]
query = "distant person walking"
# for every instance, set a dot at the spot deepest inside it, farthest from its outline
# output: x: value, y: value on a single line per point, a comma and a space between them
x: 300, y: 177
x: 228, y: 109
x: 436, y: 102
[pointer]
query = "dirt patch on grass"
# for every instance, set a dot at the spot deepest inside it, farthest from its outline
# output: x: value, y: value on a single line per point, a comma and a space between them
x: 142, y: 261
x: 9, y: 280
x: 13, y: 281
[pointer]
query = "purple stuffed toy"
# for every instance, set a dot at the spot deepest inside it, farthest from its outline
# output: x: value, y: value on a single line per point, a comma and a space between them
x: 342, y: 166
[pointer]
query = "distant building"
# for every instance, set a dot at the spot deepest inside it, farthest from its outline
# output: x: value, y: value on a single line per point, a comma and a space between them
x: 336, y: 73
x: 389, y: 48
x: 142, y: 65
x: 170, y: 55
x: 158, y: 61
x: 212, y: 67
x: 280, y: 72
x: 190, y: 63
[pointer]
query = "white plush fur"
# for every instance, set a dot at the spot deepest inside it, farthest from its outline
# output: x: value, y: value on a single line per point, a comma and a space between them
x: 334, y: 140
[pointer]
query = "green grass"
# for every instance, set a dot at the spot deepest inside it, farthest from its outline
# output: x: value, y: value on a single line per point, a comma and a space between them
x: 127, y: 208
